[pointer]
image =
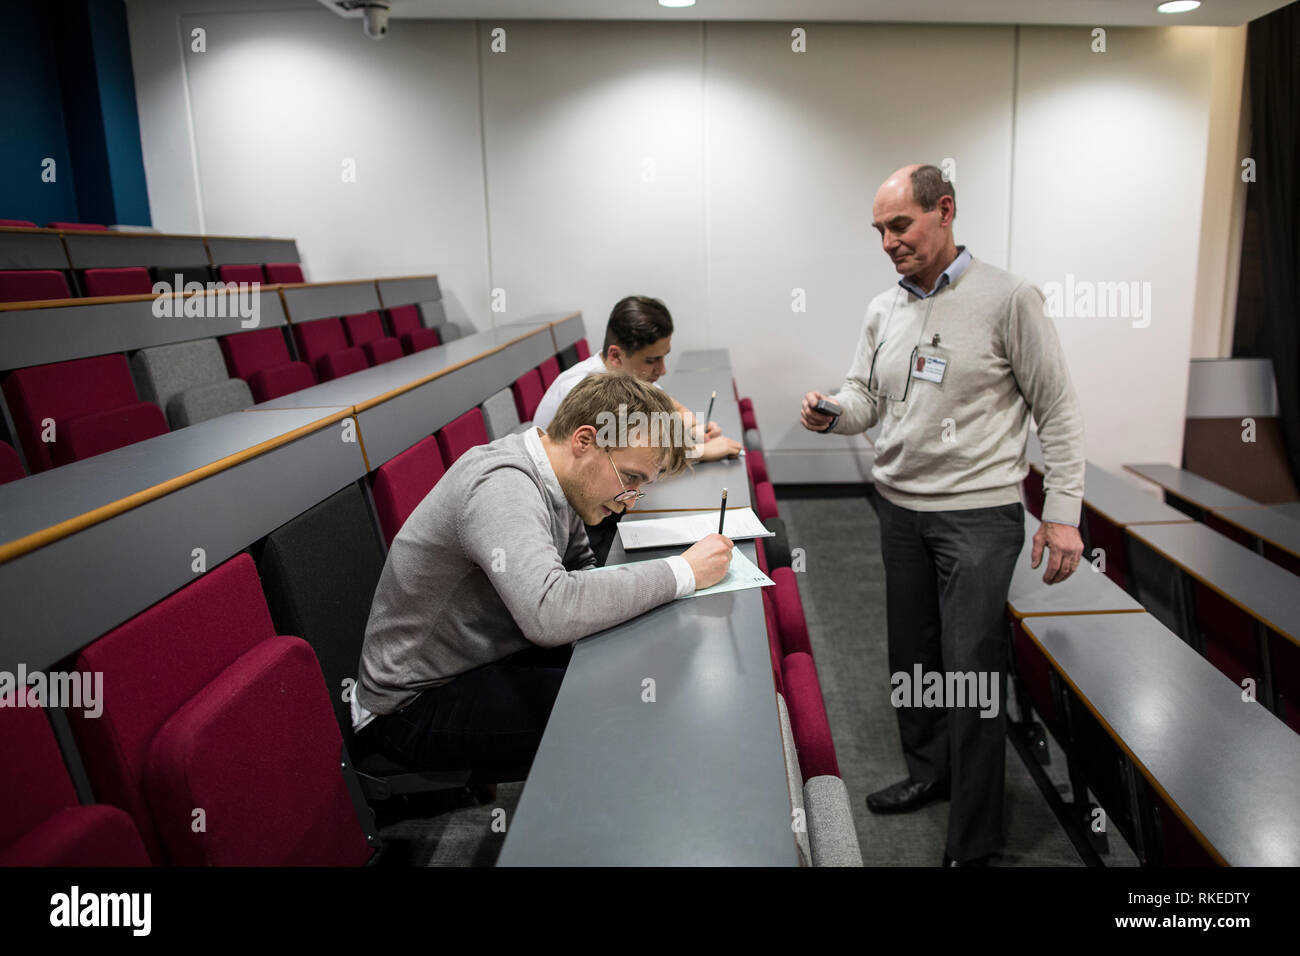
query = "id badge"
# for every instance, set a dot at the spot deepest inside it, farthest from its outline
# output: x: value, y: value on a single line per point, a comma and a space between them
x: 930, y: 365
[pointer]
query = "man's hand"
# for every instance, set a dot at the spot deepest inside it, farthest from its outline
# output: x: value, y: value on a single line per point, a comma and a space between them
x: 1066, y: 549
x: 809, y: 417
x: 715, y: 449
x: 709, y: 558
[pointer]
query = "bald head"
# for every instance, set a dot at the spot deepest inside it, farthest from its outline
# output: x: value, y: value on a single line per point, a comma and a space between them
x: 913, y: 212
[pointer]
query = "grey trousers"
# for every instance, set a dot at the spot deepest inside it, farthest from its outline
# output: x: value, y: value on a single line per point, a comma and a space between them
x: 947, y: 574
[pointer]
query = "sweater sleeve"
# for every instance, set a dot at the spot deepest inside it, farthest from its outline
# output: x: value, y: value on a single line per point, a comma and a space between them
x: 1038, y: 363
x: 504, y: 527
x: 860, y: 412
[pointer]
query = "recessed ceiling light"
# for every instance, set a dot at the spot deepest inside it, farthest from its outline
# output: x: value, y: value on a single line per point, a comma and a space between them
x: 1178, y: 6
x: 676, y: 3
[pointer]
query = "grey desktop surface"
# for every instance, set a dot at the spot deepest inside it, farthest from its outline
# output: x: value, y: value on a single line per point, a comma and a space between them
x: 1121, y: 502
x: 1265, y: 590
x: 704, y: 359
x: 1267, y: 524
x: 1231, y: 767
x: 1200, y: 492
x: 693, y: 388
x: 63, y: 595
x: 1290, y: 509
x: 1083, y: 591
x: 695, y: 778
x: 49, y: 497
x: 379, y: 380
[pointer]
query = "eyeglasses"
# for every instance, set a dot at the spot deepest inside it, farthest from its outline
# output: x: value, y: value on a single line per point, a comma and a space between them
x: 873, y: 387
x: 627, y: 494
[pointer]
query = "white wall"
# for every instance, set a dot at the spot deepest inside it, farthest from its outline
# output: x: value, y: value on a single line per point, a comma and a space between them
x: 707, y: 164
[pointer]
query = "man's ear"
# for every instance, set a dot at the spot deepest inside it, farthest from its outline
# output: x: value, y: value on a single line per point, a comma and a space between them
x: 582, y: 440
x: 614, y: 356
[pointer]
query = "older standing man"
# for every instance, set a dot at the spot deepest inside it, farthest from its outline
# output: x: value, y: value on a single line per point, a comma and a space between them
x: 952, y: 363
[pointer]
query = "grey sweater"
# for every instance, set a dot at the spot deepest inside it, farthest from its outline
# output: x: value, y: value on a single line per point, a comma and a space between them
x: 960, y: 443
x: 492, y: 559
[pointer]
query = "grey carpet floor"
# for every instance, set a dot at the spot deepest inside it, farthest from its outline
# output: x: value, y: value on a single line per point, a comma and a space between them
x: 843, y: 593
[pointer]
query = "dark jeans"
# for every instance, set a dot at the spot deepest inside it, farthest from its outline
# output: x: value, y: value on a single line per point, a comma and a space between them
x: 490, y: 718
x: 947, y: 574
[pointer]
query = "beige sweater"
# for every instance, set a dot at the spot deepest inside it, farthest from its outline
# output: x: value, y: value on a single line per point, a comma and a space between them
x: 960, y: 443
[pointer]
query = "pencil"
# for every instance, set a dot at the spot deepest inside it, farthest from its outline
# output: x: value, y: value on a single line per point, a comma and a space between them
x: 722, y: 510
x: 709, y: 413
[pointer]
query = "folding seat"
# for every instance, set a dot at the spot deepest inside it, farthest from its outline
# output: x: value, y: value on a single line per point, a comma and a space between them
x: 17, y: 224
x: 366, y: 329
x: 550, y: 371
x: 776, y: 549
x: 756, y: 465
x: 791, y: 625
x: 283, y: 272
x: 773, y: 644
x: 832, y: 835
x: 188, y: 380
x: 11, y: 466
x: 133, y: 281
x: 500, y: 415
x: 241, y: 273
x: 320, y: 571
x: 77, y: 226
x: 528, y: 392
x: 401, y: 483
x: 460, y: 435
x: 747, y: 419
x: 215, y: 719
x: 41, y: 821
x: 812, y: 730
x: 92, y: 402
x: 323, y: 345
x: 765, y: 501
x: 752, y: 440
x: 261, y: 358
x: 584, y: 351
x: 410, y: 331
x: 793, y: 779
x: 32, y: 285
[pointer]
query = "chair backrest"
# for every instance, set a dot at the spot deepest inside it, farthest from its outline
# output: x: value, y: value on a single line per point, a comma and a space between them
x: 32, y: 285
x: 500, y: 415
x: 319, y: 338
x: 241, y: 273
x: 132, y: 281
x: 164, y: 371
x: 364, y: 327
x: 402, y: 482
x: 320, y: 571
x: 283, y: 272
x: 11, y: 466
x: 63, y: 391
x: 404, y: 319
x: 249, y: 352
x: 17, y: 224
x: 528, y: 393
x: 584, y: 350
x: 550, y: 371
x: 460, y: 435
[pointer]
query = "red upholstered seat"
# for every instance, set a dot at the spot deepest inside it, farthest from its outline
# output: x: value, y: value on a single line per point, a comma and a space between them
x: 808, y: 722
x: 366, y: 329
x: 401, y: 483
x: 757, y: 466
x: 382, y: 350
x: 283, y: 272
x: 403, y: 319
x: 77, y: 226
x: 773, y: 641
x: 747, y: 419
x: 791, y: 624
x: 528, y: 392
x: 41, y: 822
x: 11, y: 466
x: 461, y: 434
x: 17, y: 224
x: 419, y: 340
x: 32, y: 285
x: 66, y: 391
x: 97, y: 432
x: 209, y: 709
x: 134, y: 281
x: 765, y: 500
x: 241, y: 273
x: 550, y: 371
x: 340, y: 363
x: 584, y: 350
x: 261, y: 358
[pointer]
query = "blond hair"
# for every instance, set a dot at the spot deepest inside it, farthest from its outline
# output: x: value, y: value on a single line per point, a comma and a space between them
x: 610, y: 402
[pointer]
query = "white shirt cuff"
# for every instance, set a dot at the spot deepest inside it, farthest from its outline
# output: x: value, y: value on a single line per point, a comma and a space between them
x: 684, y: 575
x: 360, y: 716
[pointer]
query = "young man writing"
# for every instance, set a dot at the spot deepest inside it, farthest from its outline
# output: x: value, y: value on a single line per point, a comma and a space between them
x: 494, y: 564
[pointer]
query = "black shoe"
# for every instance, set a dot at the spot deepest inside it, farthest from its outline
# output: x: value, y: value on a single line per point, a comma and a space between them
x: 906, y: 796
x: 977, y: 861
